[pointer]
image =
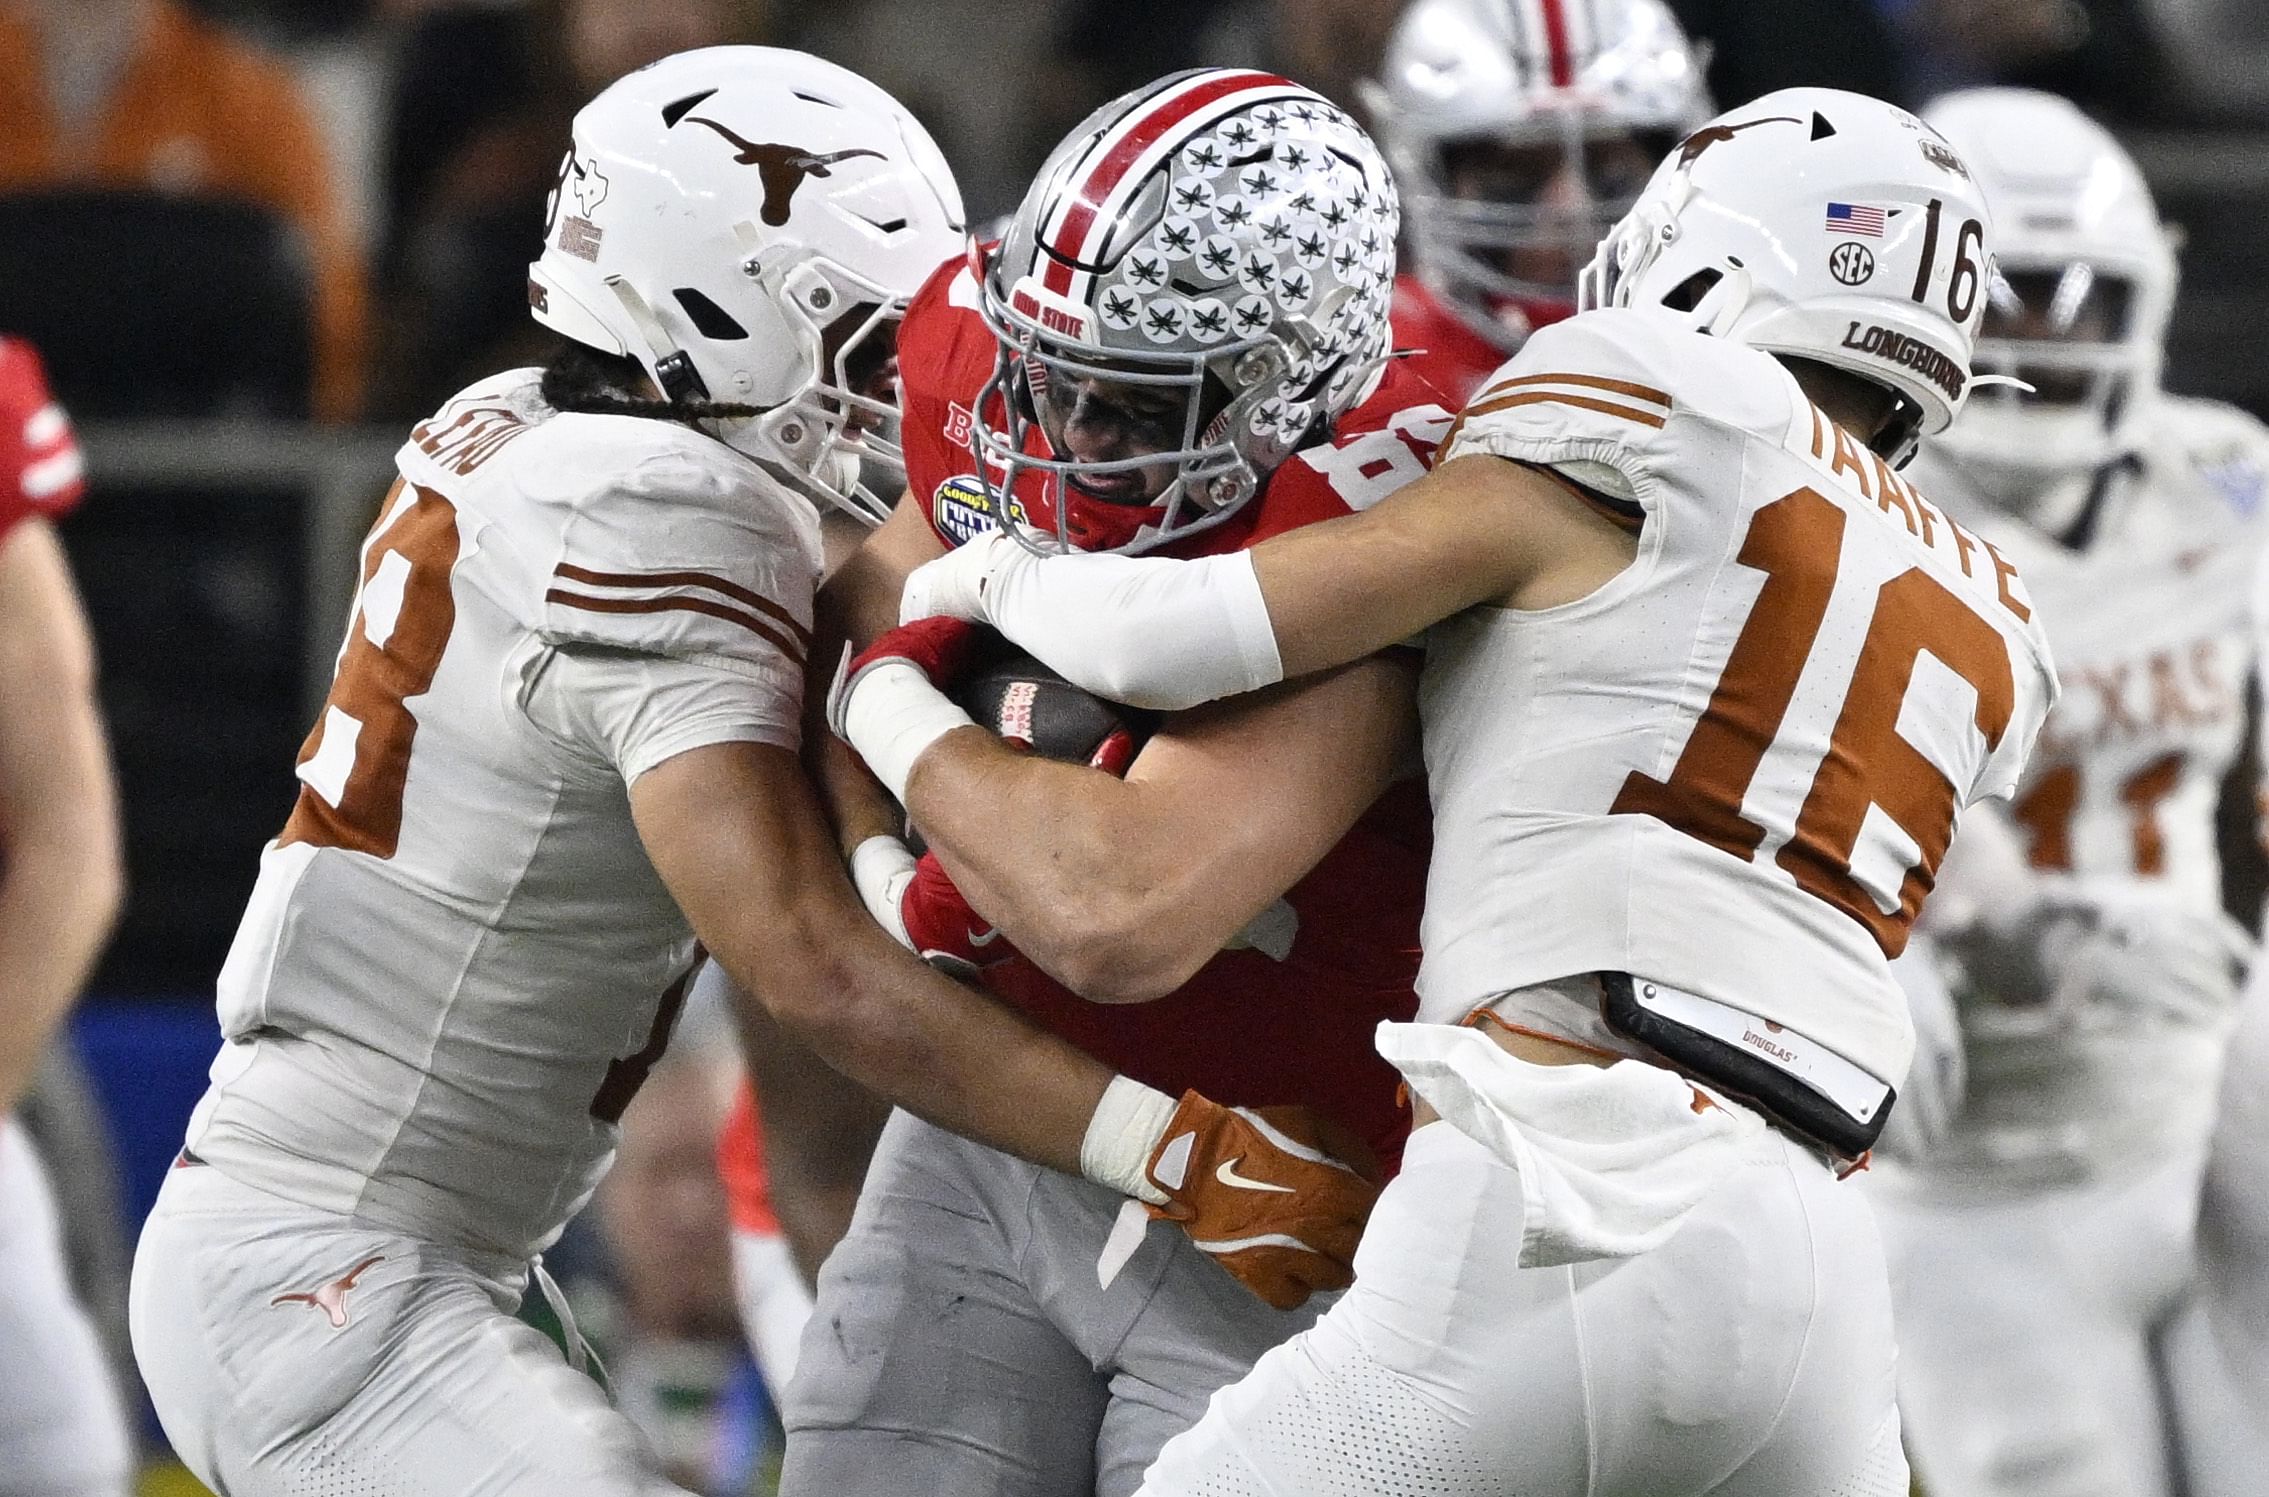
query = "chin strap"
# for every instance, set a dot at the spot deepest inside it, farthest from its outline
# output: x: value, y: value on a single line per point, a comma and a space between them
x: 673, y: 366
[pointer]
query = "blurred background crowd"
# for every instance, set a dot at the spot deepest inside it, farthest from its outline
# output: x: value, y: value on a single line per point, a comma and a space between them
x: 255, y: 238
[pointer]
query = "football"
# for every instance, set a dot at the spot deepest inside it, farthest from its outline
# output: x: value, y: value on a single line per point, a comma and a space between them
x: 1017, y: 697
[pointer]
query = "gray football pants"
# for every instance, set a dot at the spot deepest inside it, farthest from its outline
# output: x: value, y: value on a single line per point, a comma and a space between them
x: 965, y: 1344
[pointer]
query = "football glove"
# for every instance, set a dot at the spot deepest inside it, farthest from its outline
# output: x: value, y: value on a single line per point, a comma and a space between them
x: 1257, y: 1190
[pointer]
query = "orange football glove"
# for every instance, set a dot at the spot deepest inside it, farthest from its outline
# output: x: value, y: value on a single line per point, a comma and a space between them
x: 1257, y: 1189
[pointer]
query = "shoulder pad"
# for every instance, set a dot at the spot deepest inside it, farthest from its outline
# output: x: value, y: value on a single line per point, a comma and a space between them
x: 685, y: 549
x: 1603, y: 386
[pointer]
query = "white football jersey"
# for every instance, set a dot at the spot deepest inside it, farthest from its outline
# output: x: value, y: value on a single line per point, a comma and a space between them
x: 2150, y: 611
x: 1734, y: 768
x: 458, y: 962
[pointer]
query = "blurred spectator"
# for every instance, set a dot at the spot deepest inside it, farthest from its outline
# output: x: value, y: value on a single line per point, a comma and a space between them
x: 145, y: 94
x: 674, y: 1348
x: 2100, y: 53
x: 479, y: 119
x: 2219, y: 49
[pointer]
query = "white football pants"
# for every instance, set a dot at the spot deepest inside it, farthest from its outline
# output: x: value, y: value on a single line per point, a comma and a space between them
x: 2217, y: 1351
x: 1749, y: 1356
x: 62, y: 1430
x: 2025, y: 1331
x: 297, y: 1353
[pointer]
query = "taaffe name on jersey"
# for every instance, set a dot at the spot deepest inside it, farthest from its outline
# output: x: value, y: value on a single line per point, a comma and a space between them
x: 963, y: 509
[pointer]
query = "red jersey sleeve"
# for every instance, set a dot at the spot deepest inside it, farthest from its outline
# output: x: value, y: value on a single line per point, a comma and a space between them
x: 41, y: 470
x: 1382, y: 444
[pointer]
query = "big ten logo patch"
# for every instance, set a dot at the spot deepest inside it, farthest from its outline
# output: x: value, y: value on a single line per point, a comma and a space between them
x: 963, y: 509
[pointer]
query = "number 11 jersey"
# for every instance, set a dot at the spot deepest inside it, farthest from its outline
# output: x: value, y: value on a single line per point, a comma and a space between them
x: 458, y: 963
x: 1733, y: 768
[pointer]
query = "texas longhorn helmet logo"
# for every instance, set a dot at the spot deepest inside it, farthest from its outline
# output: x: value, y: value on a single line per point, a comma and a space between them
x: 781, y: 168
x: 1691, y: 148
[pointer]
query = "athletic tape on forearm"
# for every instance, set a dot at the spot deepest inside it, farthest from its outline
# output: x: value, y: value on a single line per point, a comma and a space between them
x: 1129, y: 1124
x: 881, y: 868
x: 891, y: 715
x: 1147, y: 631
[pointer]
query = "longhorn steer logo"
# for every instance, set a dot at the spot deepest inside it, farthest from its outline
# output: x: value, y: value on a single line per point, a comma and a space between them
x: 782, y: 169
x: 1691, y: 148
x: 331, y: 1298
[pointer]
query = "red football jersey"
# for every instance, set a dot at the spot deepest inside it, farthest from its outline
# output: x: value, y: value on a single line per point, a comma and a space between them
x: 740, y: 1165
x: 41, y: 472
x: 1292, y: 1022
x: 1458, y: 359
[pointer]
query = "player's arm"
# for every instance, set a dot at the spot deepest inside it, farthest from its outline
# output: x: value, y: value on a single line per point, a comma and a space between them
x: 858, y: 602
x: 819, y: 1132
x: 736, y: 835
x: 1164, y: 633
x: 60, y: 869
x: 1122, y: 889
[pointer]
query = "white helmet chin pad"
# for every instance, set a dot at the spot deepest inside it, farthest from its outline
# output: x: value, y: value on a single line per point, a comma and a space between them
x: 719, y: 215
x: 1816, y: 224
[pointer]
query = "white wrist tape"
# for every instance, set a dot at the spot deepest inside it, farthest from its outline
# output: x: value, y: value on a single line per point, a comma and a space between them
x: 958, y: 583
x: 891, y: 713
x: 881, y: 868
x: 1129, y: 1124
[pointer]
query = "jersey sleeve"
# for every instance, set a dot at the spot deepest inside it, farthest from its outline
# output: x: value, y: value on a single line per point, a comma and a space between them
x: 41, y: 470
x: 688, y: 560
x: 1589, y: 397
x: 635, y: 711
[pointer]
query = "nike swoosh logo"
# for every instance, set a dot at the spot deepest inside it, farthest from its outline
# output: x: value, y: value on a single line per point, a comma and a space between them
x: 992, y: 934
x: 1227, y: 1174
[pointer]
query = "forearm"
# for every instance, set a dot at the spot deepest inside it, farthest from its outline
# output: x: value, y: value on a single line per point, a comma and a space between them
x: 918, y: 1040
x: 58, y: 899
x: 1148, y: 632
x: 1074, y: 865
x: 819, y: 1132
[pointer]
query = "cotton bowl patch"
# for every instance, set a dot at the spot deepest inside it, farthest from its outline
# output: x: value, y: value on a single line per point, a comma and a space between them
x: 963, y: 510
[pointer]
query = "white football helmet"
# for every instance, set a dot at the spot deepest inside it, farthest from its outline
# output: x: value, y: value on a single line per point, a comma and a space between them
x: 1221, y: 234
x: 748, y: 223
x: 1824, y: 225
x: 2088, y: 285
x: 1522, y: 130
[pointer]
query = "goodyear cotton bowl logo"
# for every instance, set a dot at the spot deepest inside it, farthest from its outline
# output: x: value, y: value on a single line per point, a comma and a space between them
x: 963, y: 510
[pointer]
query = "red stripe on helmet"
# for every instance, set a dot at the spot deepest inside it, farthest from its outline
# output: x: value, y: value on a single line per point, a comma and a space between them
x: 1108, y: 172
x: 1556, y: 36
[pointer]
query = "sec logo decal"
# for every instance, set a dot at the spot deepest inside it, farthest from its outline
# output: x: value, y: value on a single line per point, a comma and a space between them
x: 1852, y: 264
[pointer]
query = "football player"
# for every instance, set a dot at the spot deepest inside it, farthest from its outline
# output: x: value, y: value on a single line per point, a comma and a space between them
x: 1519, y: 132
x: 561, y: 745
x: 1707, y: 686
x: 1179, y: 345
x: 2098, y: 974
x: 62, y: 1427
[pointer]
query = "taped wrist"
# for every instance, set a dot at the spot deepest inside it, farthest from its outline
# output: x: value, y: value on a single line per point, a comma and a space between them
x: 891, y: 714
x: 881, y: 870
x: 1128, y: 1125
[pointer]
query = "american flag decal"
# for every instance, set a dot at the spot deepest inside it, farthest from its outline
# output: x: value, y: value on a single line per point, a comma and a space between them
x: 1855, y: 218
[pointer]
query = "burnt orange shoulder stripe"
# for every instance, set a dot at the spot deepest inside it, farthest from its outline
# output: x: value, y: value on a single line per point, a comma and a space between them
x: 793, y: 649
x: 1582, y: 402
x: 1588, y: 381
x: 708, y: 580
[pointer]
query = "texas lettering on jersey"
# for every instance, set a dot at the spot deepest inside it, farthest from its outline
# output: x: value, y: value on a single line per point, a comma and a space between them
x: 1289, y: 1016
